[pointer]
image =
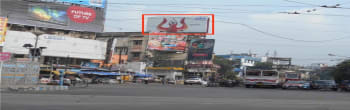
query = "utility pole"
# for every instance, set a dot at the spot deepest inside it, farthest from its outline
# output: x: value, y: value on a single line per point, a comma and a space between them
x: 36, y: 43
x: 37, y: 34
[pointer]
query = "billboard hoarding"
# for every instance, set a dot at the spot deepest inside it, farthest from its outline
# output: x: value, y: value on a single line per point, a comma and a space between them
x: 94, y: 3
x: 167, y: 43
x: 178, y: 24
x: 53, y: 15
x: 201, y: 49
x: 3, y: 28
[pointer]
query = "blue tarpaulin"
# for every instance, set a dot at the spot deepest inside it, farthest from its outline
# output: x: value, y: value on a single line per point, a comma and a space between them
x: 142, y: 75
x: 237, y: 70
x: 95, y: 3
x: 99, y: 73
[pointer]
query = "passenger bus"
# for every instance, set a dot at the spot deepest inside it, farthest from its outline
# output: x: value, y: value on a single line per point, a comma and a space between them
x: 292, y: 76
x: 260, y: 78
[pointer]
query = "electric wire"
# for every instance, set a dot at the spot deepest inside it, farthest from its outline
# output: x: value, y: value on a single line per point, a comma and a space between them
x: 282, y: 37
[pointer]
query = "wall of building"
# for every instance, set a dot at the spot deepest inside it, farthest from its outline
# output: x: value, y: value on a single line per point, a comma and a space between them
x: 116, y: 58
x: 136, y: 51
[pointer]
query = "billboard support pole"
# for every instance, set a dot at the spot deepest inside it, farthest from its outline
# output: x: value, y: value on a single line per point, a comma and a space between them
x: 2, y: 63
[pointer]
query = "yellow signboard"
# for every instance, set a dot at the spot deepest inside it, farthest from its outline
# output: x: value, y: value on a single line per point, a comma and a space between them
x: 3, y: 27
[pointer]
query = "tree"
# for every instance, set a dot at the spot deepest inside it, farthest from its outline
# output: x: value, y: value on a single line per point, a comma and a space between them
x: 262, y: 65
x: 342, y: 71
x: 226, y: 68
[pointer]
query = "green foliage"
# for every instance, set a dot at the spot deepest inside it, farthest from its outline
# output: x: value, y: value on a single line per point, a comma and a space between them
x: 225, y: 67
x: 262, y: 65
x: 342, y: 71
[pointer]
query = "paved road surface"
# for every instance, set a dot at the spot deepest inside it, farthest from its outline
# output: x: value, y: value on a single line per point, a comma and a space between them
x: 175, y: 97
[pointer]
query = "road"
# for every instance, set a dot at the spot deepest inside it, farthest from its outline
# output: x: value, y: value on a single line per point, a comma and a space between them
x: 175, y: 97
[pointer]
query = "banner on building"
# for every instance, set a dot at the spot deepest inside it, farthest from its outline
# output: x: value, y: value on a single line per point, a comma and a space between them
x: 90, y: 65
x: 3, y: 28
x: 201, y: 49
x: 16, y: 74
x: 94, y: 3
x: 56, y: 45
x: 178, y: 24
x: 53, y: 15
x: 167, y: 43
x: 5, y: 56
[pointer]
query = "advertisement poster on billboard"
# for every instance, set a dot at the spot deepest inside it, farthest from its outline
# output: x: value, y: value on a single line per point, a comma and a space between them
x: 167, y: 43
x: 201, y: 49
x: 94, y: 3
x: 54, y: 15
x: 81, y: 14
x: 178, y: 24
x: 47, y: 14
x: 3, y: 28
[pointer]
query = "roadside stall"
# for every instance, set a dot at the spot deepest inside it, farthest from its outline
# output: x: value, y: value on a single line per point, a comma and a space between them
x: 98, y: 77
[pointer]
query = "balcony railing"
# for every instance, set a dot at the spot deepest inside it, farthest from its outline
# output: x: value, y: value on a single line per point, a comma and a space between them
x: 136, y: 48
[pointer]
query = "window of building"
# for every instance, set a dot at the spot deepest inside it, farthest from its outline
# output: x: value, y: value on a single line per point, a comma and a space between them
x: 136, y: 55
x: 123, y: 50
x: 18, y: 56
x: 137, y: 42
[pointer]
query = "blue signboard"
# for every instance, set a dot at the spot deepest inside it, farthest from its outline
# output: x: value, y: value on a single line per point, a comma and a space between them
x: 90, y: 65
x: 94, y: 3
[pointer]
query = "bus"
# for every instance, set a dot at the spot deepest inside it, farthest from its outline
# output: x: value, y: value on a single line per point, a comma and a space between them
x: 262, y: 78
x: 291, y: 76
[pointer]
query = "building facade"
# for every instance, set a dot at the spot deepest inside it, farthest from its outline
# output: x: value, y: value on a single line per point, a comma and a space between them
x: 123, y: 47
x: 241, y: 61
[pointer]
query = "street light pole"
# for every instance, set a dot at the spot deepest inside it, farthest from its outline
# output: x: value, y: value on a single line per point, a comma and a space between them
x: 340, y: 60
x: 330, y: 54
x: 37, y: 34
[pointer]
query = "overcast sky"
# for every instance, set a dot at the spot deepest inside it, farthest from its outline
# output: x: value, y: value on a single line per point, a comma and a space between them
x: 307, y: 37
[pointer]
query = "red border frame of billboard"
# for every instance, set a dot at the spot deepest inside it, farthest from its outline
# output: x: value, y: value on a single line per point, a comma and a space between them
x: 212, y: 30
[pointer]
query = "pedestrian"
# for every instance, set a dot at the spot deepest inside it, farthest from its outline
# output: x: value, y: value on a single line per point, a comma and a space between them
x: 146, y: 80
x: 163, y: 81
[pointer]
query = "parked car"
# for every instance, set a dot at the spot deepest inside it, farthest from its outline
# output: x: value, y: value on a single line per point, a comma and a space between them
x: 344, y: 85
x: 104, y: 81
x: 44, y: 80
x: 296, y: 85
x: 194, y: 81
x: 66, y: 82
x: 324, y: 84
x: 171, y: 82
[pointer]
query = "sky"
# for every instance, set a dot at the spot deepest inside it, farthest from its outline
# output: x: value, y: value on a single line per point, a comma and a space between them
x: 259, y: 26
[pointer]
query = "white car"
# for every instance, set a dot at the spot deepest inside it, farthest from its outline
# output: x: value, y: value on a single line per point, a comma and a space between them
x: 44, y: 80
x: 195, y: 81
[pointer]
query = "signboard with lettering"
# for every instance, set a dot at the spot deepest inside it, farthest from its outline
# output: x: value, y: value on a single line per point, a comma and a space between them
x: 81, y: 14
x: 3, y: 28
x: 167, y: 43
x: 5, y: 56
x: 201, y: 49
